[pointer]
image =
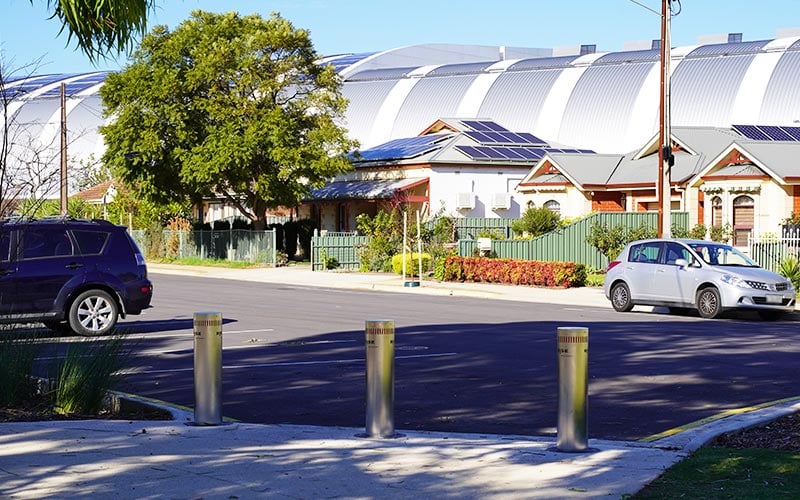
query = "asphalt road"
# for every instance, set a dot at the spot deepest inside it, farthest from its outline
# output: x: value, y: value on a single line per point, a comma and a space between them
x: 296, y: 355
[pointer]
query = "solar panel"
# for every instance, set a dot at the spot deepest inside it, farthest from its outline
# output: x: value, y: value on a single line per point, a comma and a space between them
x: 495, y: 126
x: 532, y: 139
x: 504, y: 138
x: 405, y: 148
x: 472, y: 152
x: 484, y: 126
x: 769, y: 132
x: 793, y: 131
x: 751, y: 132
x: 775, y: 133
x: 510, y: 153
x: 530, y: 153
x: 502, y: 153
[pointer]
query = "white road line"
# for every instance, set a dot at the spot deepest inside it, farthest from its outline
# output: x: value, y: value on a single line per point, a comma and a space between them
x: 293, y: 363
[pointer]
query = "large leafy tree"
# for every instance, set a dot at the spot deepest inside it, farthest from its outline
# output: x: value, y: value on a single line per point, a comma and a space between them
x: 101, y: 26
x: 226, y: 105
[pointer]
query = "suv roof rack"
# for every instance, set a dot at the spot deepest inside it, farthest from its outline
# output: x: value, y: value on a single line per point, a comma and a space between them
x: 20, y: 219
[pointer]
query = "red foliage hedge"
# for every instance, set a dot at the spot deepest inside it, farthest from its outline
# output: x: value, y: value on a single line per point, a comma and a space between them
x: 514, y: 272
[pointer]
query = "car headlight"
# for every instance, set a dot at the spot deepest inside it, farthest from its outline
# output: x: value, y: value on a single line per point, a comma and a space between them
x: 735, y: 281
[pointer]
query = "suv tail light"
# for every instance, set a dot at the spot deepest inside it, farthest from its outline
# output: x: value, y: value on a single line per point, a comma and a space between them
x: 612, y: 265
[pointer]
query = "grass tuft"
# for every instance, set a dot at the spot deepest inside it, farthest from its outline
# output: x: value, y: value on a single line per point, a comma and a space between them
x: 88, y: 371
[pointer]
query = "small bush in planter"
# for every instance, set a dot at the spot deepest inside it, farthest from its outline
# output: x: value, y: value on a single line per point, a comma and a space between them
x: 412, y: 263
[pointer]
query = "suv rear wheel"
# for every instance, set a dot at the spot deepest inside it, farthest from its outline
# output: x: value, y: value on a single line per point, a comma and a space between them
x: 94, y: 312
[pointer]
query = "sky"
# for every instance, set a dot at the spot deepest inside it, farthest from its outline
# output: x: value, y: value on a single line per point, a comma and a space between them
x: 28, y: 37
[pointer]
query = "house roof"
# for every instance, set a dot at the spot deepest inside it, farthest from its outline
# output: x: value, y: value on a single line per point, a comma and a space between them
x: 364, y: 190
x: 95, y: 194
x: 779, y: 157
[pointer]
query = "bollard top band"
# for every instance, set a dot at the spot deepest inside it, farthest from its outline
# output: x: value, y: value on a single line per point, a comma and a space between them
x: 381, y: 323
x: 573, y: 330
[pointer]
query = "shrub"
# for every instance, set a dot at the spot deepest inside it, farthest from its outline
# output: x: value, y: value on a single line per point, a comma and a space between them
x: 514, y: 272
x: 328, y: 262
x: 536, y: 221
x: 698, y: 232
x: 722, y: 233
x: 386, y: 238
x: 611, y: 240
x: 790, y: 268
x: 412, y: 263
x: 155, y: 248
x: 173, y: 245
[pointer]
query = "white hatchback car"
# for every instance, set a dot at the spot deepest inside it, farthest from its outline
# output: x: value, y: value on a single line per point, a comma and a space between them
x: 695, y: 274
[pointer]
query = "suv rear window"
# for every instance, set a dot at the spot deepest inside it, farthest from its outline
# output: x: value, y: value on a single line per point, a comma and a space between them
x: 90, y: 242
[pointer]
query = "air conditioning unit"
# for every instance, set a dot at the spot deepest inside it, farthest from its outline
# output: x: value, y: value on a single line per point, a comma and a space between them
x: 501, y: 201
x: 465, y: 201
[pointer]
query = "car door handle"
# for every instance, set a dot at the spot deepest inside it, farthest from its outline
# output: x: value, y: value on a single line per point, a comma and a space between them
x: 74, y: 265
x: 4, y: 272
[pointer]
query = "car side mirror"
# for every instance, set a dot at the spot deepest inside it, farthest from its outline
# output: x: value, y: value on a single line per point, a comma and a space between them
x: 681, y: 262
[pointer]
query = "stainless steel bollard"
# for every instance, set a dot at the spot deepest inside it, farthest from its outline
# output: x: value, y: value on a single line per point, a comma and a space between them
x: 380, y: 378
x: 573, y: 386
x: 208, y: 368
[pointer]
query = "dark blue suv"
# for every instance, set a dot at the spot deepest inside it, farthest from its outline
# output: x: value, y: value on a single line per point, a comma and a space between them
x: 70, y: 274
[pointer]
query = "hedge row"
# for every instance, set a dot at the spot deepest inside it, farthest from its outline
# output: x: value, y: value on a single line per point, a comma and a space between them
x: 514, y: 272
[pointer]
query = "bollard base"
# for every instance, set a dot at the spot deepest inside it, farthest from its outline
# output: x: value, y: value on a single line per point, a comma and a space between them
x: 556, y: 449
x: 195, y: 424
x: 394, y: 435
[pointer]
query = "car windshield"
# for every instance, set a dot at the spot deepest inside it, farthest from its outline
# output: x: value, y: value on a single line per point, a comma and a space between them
x: 721, y: 255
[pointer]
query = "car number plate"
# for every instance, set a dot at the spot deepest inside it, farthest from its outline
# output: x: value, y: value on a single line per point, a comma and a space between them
x: 774, y: 299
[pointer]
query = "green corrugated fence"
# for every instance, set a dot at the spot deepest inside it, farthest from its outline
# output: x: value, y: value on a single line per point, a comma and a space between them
x: 342, y: 248
x: 241, y: 245
x: 568, y: 244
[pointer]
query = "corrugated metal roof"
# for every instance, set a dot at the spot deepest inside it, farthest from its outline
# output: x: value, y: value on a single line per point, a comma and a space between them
x: 737, y: 171
x: 586, y: 169
x: 779, y: 157
x: 530, y: 87
x: 428, y: 100
x: 633, y: 56
x: 603, y: 95
x: 708, y: 139
x: 461, y: 69
x: 363, y: 190
x: 704, y: 90
x: 542, y: 63
x: 380, y: 74
x: 725, y: 49
x: 781, y: 102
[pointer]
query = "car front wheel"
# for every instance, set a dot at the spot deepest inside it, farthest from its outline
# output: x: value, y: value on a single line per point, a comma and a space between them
x: 709, y: 304
x: 621, y: 298
x: 94, y: 312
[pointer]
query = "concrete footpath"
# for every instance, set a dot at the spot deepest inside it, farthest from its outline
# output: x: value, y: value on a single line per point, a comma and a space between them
x: 174, y: 459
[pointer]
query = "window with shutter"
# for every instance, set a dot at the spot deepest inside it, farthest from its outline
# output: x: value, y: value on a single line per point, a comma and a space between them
x: 743, y: 219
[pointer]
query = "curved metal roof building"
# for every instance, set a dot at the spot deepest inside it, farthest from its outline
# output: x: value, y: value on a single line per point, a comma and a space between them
x: 607, y: 102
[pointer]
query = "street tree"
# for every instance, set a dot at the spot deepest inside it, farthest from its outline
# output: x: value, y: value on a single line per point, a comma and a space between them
x: 101, y: 27
x: 226, y: 105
